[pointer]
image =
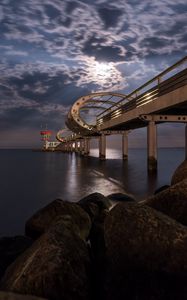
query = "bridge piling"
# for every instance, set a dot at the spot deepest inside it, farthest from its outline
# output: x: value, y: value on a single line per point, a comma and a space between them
x: 186, y: 141
x: 102, y: 147
x: 82, y: 147
x: 152, y: 146
x: 76, y: 146
x: 86, y: 147
x: 125, y: 146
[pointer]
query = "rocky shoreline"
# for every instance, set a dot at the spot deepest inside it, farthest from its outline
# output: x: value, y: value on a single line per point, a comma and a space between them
x: 102, y: 248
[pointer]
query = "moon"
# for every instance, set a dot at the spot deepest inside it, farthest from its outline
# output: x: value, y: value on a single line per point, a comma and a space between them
x: 103, y: 69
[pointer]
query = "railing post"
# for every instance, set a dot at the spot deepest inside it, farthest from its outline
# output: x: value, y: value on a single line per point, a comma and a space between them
x: 125, y: 145
x: 152, y: 146
x: 102, y: 147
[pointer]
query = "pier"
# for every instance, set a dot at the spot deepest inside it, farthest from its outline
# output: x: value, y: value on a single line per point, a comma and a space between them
x: 161, y: 99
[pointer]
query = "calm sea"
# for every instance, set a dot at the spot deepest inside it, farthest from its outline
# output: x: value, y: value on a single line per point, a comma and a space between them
x: 30, y: 180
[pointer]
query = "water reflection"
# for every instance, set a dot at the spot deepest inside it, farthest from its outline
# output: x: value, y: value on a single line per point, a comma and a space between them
x: 30, y: 180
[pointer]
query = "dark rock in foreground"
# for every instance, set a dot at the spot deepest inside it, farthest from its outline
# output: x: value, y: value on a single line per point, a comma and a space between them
x: 56, y: 266
x: 12, y: 296
x: 44, y: 218
x: 180, y: 173
x: 146, y: 254
x: 94, y: 203
x: 161, y: 189
x: 172, y: 202
x: 121, y: 197
x: 98, y: 254
x: 11, y: 248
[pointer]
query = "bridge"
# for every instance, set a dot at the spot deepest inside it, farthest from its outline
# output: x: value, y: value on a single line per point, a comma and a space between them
x: 161, y: 99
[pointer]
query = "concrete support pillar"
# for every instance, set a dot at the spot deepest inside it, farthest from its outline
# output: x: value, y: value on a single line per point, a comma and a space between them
x: 69, y: 148
x: 102, y: 147
x: 152, y: 146
x: 186, y: 141
x: 86, y: 146
x: 82, y: 146
x: 76, y: 146
x: 125, y: 146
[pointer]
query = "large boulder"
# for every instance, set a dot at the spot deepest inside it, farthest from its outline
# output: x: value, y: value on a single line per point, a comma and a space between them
x: 146, y: 254
x: 172, y: 202
x: 43, y: 219
x: 56, y: 266
x: 12, y: 296
x: 180, y: 173
x: 97, y: 242
x: 94, y: 203
x: 121, y: 197
x: 11, y: 248
x: 161, y: 188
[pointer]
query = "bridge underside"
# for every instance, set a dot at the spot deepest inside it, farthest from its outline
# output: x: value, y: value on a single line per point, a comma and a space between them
x: 179, y: 110
x: 173, y: 103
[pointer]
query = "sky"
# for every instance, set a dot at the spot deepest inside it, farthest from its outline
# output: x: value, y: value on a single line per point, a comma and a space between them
x: 50, y: 52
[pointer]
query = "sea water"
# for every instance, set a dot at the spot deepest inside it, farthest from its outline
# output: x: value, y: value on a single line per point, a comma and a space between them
x: 30, y: 180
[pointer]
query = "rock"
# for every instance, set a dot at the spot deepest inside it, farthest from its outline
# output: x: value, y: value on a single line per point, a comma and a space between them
x: 12, y: 296
x: 42, y: 220
x: 121, y: 197
x: 98, y: 253
x: 11, y: 248
x: 56, y: 266
x: 146, y: 254
x: 160, y: 189
x: 94, y: 203
x: 172, y: 202
x: 180, y: 173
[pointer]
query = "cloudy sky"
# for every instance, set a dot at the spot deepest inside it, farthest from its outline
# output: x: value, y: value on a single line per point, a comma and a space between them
x: 50, y: 52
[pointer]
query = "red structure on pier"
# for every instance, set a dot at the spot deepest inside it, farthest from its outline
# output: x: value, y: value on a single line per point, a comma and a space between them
x: 45, y: 135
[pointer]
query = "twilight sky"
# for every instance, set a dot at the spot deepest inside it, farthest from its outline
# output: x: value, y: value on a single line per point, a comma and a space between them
x: 50, y: 52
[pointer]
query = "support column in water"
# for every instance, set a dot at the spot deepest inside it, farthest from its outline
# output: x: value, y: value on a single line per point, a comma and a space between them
x: 125, y: 145
x: 152, y: 146
x: 82, y: 146
x: 186, y: 141
x: 76, y: 146
x: 102, y: 147
x: 86, y: 147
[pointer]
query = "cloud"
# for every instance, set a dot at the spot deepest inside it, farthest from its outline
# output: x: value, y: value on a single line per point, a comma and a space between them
x: 50, y: 51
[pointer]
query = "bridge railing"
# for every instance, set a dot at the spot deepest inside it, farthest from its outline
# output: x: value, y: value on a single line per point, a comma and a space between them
x: 169, y: 80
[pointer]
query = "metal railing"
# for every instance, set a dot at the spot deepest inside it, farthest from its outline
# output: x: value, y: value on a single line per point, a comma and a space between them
x: 144, y: 94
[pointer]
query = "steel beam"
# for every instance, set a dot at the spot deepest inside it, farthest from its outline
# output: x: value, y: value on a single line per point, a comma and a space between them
x: 164, y: 118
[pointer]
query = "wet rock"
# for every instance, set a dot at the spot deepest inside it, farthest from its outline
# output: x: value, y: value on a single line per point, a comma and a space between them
x: 180, y: 173
x: 146, y: 254
x: 56, y: 266
x: 11, y: 248
x: 98, y: 253
x: 121, y: 197
x: 43, y: 219
x: 12, y: 296
x: 160, y: 189
x: 172, y: 202
x: 94, y: 203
